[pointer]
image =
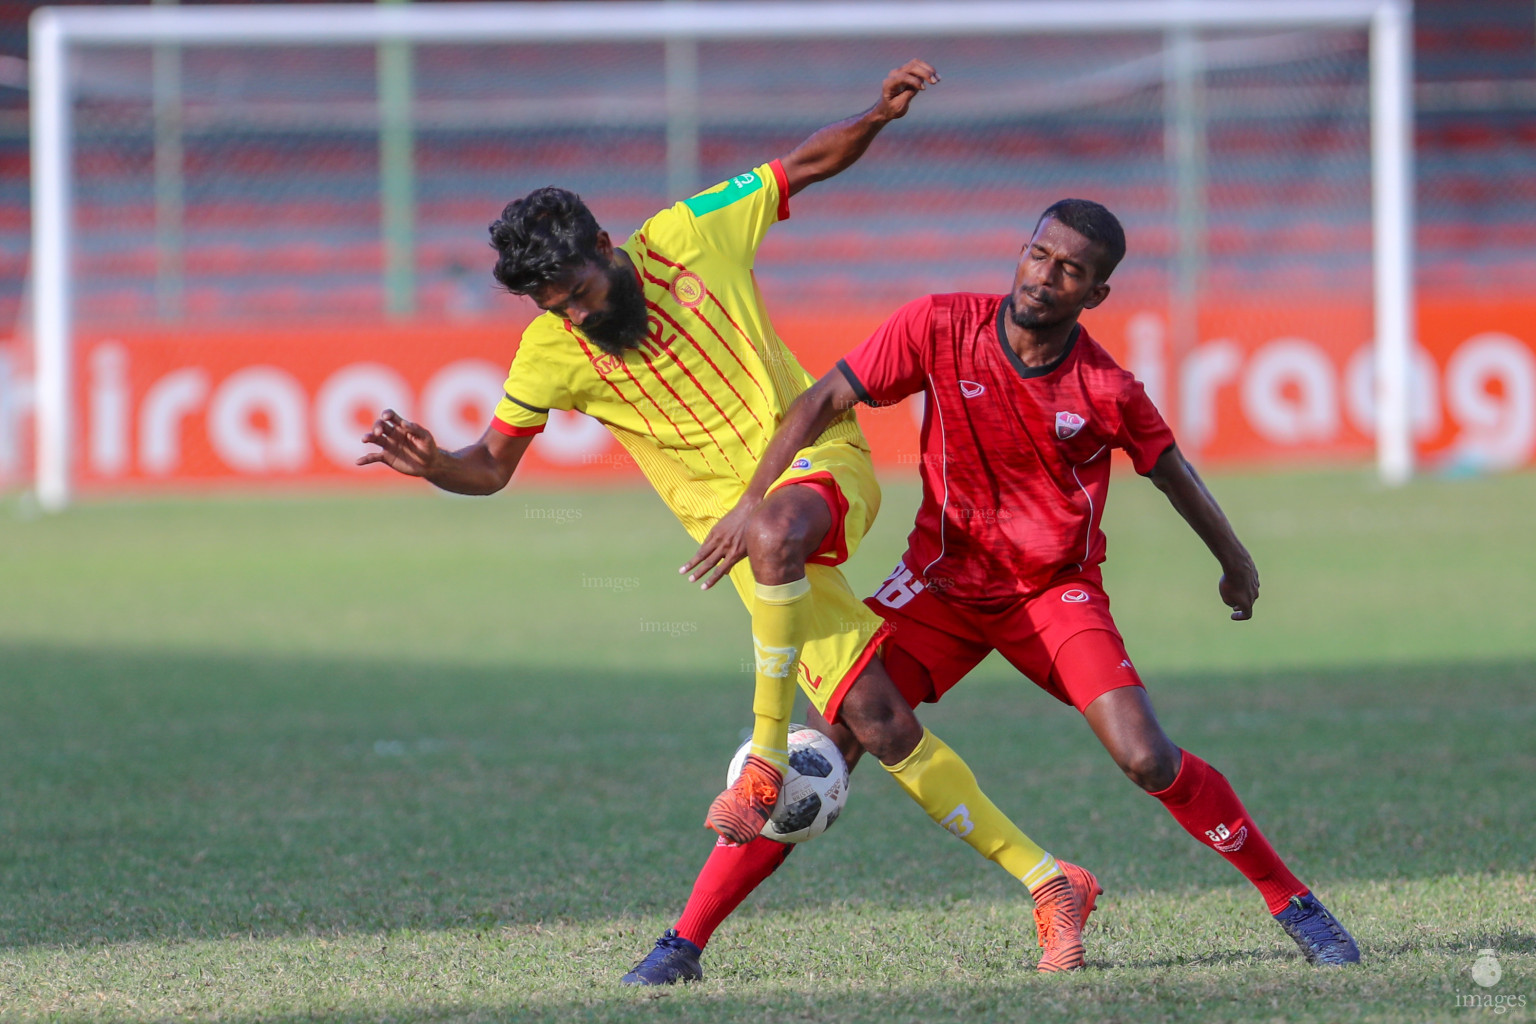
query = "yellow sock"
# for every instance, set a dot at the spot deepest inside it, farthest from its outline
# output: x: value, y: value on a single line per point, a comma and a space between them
x: 944, y: 786
x: 780, y: 619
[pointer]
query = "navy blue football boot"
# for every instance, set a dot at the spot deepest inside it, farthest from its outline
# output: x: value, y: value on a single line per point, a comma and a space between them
x: 1321, y: 938
x: 673, y: 960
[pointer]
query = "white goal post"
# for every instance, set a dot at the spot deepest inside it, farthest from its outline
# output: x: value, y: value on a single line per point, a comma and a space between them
x: 54, y: 31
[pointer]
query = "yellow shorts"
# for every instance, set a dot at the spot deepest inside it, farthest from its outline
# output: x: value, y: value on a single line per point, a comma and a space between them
x: 845, y: 632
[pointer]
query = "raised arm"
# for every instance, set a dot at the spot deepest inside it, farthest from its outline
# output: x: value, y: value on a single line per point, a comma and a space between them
x: 808, y: 416
x: 409, y: 448
x: 833, y: 149
x: 1176, y: 478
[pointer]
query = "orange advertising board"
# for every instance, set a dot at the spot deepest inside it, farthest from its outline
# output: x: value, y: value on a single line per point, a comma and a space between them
x: 1265, y: 384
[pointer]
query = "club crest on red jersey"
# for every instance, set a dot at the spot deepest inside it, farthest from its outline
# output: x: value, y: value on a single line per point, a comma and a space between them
x: 970, y: 389
x: 1068, y: 424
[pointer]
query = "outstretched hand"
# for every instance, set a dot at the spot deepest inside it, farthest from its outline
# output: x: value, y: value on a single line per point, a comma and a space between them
x: 1239, y: 588
x: 404, y: 447
x: 725, y: 545
x: 901, y: 85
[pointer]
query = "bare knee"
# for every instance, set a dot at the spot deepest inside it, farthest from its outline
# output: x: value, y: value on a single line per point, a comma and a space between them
x: 784, y: 532
x: 775, y: 542
x: 1152, y: 767
x: 839, y: 734
x: 880, y: 719
x: 1125, y: 723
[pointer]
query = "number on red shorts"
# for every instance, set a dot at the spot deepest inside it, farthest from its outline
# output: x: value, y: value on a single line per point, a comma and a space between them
x: 899, y: 588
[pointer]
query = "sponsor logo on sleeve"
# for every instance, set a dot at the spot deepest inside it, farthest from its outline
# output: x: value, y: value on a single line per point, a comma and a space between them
x: 1075, y: 596
x: 800, y: 463
x: 724, y: 194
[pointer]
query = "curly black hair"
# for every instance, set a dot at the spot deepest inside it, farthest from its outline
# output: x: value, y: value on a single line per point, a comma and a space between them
x: 1095, y: 223
x: 542, y: 237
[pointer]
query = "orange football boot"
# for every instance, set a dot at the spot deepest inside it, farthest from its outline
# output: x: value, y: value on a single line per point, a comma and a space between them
x: 1062, y: 906
x: 738, y: 814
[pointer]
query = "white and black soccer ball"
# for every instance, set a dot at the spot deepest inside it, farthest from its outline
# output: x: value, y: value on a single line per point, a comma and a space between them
x: 814, y: 790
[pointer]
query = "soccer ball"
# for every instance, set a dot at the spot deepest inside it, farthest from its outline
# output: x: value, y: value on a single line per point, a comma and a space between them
x: 814, y: 791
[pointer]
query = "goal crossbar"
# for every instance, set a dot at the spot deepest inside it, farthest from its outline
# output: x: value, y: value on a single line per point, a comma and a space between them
x: 619, y: 21
x: 55, y: 30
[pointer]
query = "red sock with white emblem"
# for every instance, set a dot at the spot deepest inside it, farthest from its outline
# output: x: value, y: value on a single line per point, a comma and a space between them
x: 728, y: 877
x: 1202, y: 800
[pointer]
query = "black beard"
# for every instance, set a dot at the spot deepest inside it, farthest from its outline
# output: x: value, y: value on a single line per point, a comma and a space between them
x: 1030, y: 319
x: 624, y: 325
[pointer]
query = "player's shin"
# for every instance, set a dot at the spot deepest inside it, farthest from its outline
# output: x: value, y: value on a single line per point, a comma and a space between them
x: 780, y: 619
x: 1203, y: 801
x: 944, y: 786
x: 727, y: 877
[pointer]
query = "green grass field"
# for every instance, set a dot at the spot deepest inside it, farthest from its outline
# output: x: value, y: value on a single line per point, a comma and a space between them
x: 408, y: 757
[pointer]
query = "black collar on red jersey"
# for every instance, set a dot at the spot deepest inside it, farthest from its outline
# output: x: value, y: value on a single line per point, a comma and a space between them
x: 1028, y: 372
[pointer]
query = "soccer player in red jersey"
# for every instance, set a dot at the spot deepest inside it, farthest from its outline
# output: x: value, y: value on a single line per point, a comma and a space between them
x: 666, y: 339
x: 1023, y: 410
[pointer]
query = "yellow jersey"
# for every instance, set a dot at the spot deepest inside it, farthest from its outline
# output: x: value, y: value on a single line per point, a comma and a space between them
x: 696, y: 403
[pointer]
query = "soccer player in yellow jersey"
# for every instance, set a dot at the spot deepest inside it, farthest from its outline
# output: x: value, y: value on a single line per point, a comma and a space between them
x: 666, y: 341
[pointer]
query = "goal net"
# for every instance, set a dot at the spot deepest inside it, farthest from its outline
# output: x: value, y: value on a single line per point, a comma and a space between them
x: 255, y: 227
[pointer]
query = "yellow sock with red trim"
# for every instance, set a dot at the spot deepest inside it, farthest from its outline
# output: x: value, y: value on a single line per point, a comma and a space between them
x: 944, y: 786
x: 780, y: 619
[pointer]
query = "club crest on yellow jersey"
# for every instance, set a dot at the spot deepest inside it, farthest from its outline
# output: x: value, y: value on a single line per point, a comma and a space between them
x: 688, y: 289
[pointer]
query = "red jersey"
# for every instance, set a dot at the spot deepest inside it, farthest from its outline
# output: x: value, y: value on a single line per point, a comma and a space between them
x: 1015, y: 458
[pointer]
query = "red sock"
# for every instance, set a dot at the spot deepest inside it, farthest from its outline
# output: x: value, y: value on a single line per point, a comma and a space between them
x: 1201, y: 799
x: 728, y: 876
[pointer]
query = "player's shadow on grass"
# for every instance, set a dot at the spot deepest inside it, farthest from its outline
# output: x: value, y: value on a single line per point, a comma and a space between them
x: 161, y: 795
x: 1222, y: 958
x: 1507, y: 941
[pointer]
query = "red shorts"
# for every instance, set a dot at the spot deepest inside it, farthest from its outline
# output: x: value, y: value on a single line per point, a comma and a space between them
x: 934, y: 643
